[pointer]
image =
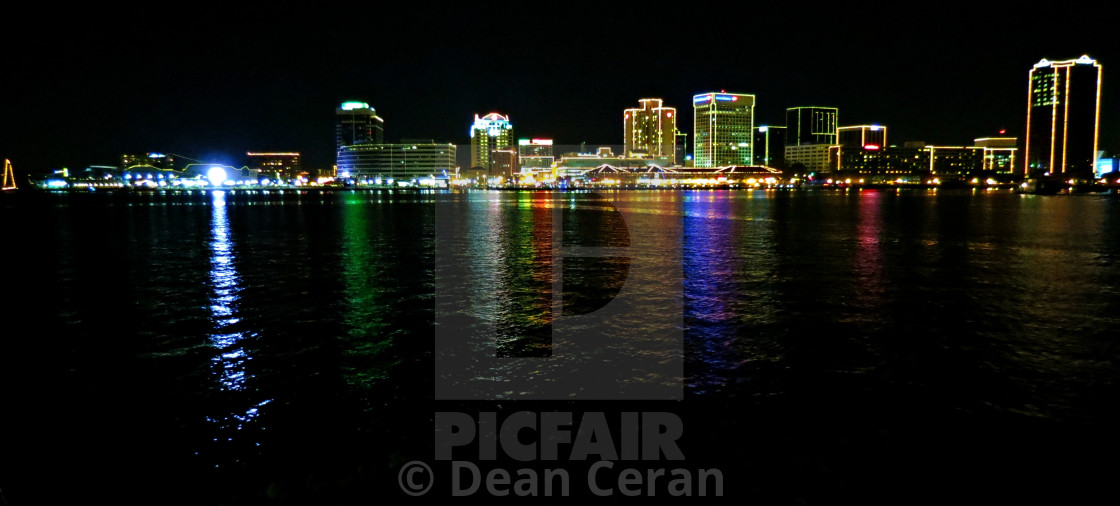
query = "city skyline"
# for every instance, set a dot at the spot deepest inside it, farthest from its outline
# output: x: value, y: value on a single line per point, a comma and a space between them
x: 214, y: 98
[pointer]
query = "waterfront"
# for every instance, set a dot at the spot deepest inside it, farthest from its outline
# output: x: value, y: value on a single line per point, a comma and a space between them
x: 234, y: 347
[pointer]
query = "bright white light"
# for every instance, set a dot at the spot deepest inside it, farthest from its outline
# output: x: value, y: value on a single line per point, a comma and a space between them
x: 216, y: 175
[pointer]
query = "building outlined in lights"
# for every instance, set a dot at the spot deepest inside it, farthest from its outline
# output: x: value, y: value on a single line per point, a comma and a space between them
x: 534, y: 156
x: 489, y: 134
x: 651, y: 129
x: 1063, y: 117
x: 810, y: 134
x: 723, y: 129
x: 862, y: 136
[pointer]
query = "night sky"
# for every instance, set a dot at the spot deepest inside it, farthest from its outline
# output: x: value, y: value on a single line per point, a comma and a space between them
x: 213, y: 82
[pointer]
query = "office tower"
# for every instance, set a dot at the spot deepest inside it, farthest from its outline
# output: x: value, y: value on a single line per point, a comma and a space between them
x: 769, y: 146
x: 810, y: 131
x: 723, y: 129
x: 490, y: 133
x: 680, y: 154
x: 811, y: 125
x: 1063, y: 117
x: 649, y: 129
x: 357, y: 123
x: 862, y: 136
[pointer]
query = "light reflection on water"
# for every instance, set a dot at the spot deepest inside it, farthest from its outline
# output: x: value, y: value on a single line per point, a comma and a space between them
x: 230, y: 363
x: 994, y: 306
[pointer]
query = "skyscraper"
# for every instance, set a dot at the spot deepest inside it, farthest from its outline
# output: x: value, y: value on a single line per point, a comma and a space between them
x: 811, y: 125
x: 357, y: 123
x: 810, y: 133
x: 1063, y: 117
x: 723, y: 129
x: 650, y: 129
x: 490, y: 133
x: 769, y: 146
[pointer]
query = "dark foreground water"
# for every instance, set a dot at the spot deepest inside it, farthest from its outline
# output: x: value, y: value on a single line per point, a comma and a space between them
x: 879, y: 346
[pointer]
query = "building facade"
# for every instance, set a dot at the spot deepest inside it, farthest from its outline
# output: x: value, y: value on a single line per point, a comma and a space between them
x: 1063, y: 117
x: 723, y: 129
x: 535, y: 155
x: 1000, y: 154
x: 862, y: 135
x: 650, y: 129
x: 153, y: 160
x: 490, y: 133
x: 357, y: 123
x: 811, y: 125
x: 280, y: 166
x: 769, y: 146
x: 409, y: 160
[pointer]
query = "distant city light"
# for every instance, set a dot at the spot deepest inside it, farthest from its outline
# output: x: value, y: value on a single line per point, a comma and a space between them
x: 216, y: 175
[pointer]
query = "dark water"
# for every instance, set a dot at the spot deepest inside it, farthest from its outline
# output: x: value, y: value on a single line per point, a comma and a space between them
x: 875, y: 346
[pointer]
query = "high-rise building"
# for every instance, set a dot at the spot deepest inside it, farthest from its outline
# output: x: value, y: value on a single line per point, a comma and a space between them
x: 811, y: 125
x: 872, y: 136
x: 681, y: 151
x: 490, y: 133
x: 650, y: 129
x: 1063, y: 117
x: 769, y: 146
x: 810, y: 133
x: 723, y: 129
x: 357, y: 123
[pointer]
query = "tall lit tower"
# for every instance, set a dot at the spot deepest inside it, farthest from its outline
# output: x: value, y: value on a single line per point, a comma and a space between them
x: 357, y: 123
x: 811, y: 125
x: 490, y: 133
x: 650, y: 129
x: 723, y: 129
x: 1063, y: 117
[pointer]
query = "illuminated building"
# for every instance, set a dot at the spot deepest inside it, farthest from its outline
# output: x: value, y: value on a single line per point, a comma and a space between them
x: 409, y: 160
x: 723, y: 129
x: 681, y: 148
x: 153, y: 160
x: 276, y: 166
x: 490, y: 133
x: 862, y: 135
x: 535, y: 155
x: 913, y: 163
x: 357, y: 123
x: 999, y: 153
x: 650, y: 129
x: 578, y: 162
x: 769, y: 146
x: 811, y: 125
x: 810, y: 132
x: 1063, y: 117
x: 808, y: 157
